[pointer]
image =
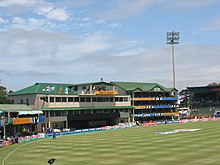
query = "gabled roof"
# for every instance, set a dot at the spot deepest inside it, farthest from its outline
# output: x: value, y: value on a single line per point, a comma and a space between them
x: 43, y: 88
x: 131, y: 86
x: 14, y: 107
x: 171, y: 89
x: 22, y: 109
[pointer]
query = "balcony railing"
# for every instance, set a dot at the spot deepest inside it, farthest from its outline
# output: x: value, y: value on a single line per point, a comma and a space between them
x: 106, y: 92
x: 155, y: 98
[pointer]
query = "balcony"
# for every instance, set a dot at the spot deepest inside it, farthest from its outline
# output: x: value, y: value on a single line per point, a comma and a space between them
x: 106, y: 92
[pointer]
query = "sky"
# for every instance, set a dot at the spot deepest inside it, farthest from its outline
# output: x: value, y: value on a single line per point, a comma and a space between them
x: 78, y: 41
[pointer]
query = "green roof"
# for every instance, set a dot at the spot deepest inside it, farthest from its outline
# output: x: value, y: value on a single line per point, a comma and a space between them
x: 131, y: 86
x: 14, y: 107
x: 87, y: 108
x: 44, y: 88
x: 171, y: 89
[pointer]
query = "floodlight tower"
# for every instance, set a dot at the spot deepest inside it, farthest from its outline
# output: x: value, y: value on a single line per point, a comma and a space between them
x: 173, y: 38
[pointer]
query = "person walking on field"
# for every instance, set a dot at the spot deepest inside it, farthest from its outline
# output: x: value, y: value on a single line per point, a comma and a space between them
x: 54, y: 135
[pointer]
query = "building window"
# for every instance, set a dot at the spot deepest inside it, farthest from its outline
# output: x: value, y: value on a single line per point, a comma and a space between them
x: 88, y: 99
x: 64, y: 99
x: 44, y: 99
x: 88, y: 112
x: 52, y: 99
x: 111, y: 99
x: 76, y: 112
x: 58, y: 113
x: 58, y: 99
x: 119, y: 99
x: 64, y: 113
x: 21, y: 101
x: 76, y: 99
x: 82, y: 99
x: 101, y: 99
x: 70, y: 99
x: 94, y: 99
x: 125, y: 99
x: 107, y: 99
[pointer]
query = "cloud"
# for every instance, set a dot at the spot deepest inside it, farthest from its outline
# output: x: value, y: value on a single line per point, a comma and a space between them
x: 88, y: 57
x: 28, y: 24
x: 123, y: 9
x: 41, y: 7
x: 194, y: 63
x: 213, y: 25
x: 3, y: 21
x: 51, y: 12
x: 180, y: 4
x: 115, y: 25
x: 46, y: 51
x: 8, y: 3
x: 127, y: 8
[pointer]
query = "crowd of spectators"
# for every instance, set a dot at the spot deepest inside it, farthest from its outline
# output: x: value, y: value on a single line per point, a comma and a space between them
x: 206, y: 99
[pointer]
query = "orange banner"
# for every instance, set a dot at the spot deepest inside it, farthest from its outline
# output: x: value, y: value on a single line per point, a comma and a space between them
x: 17, y: 121
x: 139, y: 107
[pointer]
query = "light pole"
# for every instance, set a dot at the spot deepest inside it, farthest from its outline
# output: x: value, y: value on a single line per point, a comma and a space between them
x: 173, y: 38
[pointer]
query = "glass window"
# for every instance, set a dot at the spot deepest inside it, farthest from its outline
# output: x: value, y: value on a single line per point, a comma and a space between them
x: 94, y: 99
x: 44, y: 99
x: 111, y: 99
x: 76, y: 112
x: 58, y: 99
x: 88, y: 112
x: 58, y: 113
x: 121, y: 99
x: 116, y: 99
x: 76, y: 99
x: 52, y: 99
x: 107, y: 99
x: 125, y: 99
x: 64, y: 99
x: 99, y: 99
x: 82, y: 99
x: 88, y: 99
x: 52, y: 114
x: 64, y: 113
x: 70, y: 99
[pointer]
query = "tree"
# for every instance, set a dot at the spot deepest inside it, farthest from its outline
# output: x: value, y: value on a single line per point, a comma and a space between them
x: 4, y: 95
x: 214, y: 84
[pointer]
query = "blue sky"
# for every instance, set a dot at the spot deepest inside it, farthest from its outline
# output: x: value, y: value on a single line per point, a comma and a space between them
x: 75, y: 41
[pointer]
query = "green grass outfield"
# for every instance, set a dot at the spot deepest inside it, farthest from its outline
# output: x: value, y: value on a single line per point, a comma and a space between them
x: 131, y: 146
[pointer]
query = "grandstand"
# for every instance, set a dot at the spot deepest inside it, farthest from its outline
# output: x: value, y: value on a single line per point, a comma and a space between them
x: 204, y: 100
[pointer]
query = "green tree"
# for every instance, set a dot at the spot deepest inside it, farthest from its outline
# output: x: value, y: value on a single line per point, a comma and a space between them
x: 3, y: 95
x: 214, y: 84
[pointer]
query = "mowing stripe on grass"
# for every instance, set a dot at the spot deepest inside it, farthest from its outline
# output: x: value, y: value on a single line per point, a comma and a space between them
x: 3, y: 161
